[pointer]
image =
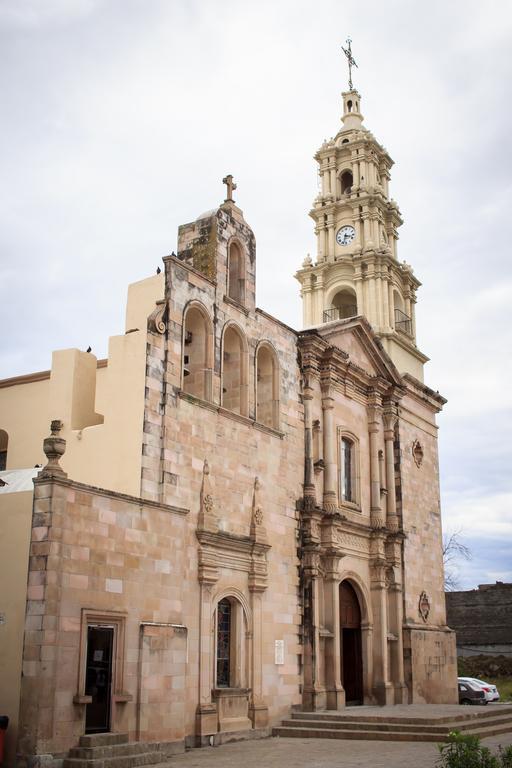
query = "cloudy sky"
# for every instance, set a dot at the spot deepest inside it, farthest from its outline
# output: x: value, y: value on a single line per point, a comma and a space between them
x: 119, y: 119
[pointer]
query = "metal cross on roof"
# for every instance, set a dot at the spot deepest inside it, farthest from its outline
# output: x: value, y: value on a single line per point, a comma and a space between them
x: 231, y: 186
x: 351, y: 61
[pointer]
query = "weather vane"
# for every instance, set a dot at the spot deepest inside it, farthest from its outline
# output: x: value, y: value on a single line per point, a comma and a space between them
x: 351, y: 61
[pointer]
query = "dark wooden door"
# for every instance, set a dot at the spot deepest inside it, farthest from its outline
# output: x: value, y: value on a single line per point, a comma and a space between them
x: 350, y: 645
x: 98, y: 678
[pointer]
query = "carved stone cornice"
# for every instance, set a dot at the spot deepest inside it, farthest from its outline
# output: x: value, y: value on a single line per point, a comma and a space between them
x: 239, y: 553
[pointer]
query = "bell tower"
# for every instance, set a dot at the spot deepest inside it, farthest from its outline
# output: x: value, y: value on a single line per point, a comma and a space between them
x: 356, y: 270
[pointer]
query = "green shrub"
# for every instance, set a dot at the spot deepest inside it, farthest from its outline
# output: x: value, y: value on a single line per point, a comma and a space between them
x: 505, y: 757
x: 463, y: 751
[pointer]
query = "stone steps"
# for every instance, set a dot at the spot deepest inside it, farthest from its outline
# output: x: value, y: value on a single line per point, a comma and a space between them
x: 368, y: 726
x: 112, y: 750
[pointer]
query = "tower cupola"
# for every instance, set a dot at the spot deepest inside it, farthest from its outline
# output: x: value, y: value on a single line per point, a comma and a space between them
x: 356, y: 271
x: 352, y: 118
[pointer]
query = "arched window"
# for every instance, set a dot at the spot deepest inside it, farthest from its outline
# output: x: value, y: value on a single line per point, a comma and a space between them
x: 230, y: 641
x: 347, y: 182
x: 345, y: 303
x: 197, y: 353
x: 234, y: 372
x: 267, y: 387
x: 348, y: 467
x: 4, y: 439
x: 236, y: 274
x: 224, y: 640
x: 347, y: 461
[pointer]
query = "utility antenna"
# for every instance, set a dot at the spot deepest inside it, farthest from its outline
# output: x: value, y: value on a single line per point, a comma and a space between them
x: 351, y: 61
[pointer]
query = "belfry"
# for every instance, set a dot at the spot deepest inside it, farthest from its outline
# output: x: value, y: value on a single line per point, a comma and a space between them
x: 230, y: 519
x: 356, y: 271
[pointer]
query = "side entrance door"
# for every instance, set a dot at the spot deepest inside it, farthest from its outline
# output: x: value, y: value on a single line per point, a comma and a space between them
x: 98, y: 678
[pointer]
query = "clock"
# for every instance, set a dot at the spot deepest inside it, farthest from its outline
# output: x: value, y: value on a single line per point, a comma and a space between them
x: 345, y: 235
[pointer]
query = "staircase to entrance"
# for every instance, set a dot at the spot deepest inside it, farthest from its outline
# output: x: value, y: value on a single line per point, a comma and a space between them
x: 415, y: 722
x: 113, y: 750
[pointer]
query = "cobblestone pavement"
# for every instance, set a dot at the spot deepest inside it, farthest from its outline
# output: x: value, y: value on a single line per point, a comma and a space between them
x: 319, y: 753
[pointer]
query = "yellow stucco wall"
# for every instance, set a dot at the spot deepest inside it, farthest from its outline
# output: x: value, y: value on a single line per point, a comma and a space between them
x: 102, y: 409
x: 15, y: 524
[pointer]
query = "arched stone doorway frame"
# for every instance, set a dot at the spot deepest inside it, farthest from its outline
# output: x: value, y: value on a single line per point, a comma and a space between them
x: 363, y: 597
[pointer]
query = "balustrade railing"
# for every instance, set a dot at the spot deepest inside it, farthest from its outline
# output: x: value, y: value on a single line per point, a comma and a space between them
x: 340, y: 313
x: 403, y: 322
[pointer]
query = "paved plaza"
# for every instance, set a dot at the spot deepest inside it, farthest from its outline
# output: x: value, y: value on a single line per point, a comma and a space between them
x: 319, y: 753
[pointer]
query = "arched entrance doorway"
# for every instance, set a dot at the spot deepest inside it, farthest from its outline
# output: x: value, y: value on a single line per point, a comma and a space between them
x: 350, y: 644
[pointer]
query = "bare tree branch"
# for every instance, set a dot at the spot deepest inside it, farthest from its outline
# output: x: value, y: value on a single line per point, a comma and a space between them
x: 454, y: 549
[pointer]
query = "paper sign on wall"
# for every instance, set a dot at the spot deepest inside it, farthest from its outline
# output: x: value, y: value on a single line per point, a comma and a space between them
x: 279, y: 651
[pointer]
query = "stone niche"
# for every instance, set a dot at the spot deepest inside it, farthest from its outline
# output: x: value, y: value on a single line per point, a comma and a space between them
x: 232, y: 708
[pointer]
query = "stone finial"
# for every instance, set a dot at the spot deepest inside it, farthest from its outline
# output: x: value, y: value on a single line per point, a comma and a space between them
x: 207, y: 520
x: 258, y: 530
x: 54, y: 447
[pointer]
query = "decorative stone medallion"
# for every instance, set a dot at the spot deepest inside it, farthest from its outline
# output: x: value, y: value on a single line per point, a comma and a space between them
x: 424, y: 606
x: 417, y: 453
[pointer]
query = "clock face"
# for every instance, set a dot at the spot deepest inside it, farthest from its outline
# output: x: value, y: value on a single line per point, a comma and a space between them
x: 345, y: 235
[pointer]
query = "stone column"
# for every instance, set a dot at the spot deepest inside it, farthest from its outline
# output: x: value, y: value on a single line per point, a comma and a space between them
x: 314, y: 691
x: 390, y: 418
x: 323, y: 177
x: 366, y: 229
x: 413, y: 315
x: 395, y: 596
x: 372, y: 298
x: 335, y: 692
x: 358, y: 283
x: 355, y: 172
x: 330, y: 472
x: 379, y: 307
x: 323, y: 243
x: 383, y: 690
x: 206, y: 713
x: 385, y: 301
x: 331, y: 234
x: 258, y: 710
x: 391, y: 304
x: 307, y: 301
x: 318, y: 242
x: 333, y: 182
x: 309, y: 475
x: 376, y: 516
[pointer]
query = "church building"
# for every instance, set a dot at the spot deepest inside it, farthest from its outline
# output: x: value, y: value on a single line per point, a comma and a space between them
x: 234, y: 518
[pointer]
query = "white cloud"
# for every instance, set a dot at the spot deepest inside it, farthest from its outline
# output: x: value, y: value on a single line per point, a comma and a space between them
x: 119, y: 120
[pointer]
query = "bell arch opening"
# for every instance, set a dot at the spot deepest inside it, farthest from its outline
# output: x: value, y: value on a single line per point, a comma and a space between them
x: 344, y: 304
x: 347, y: 182
x: 267, y: 387
x: 197, y: 353
x: 236, y: 275
x: 234, y: 371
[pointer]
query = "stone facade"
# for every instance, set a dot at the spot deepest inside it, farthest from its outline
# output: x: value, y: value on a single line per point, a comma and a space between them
x: 284, y: 546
